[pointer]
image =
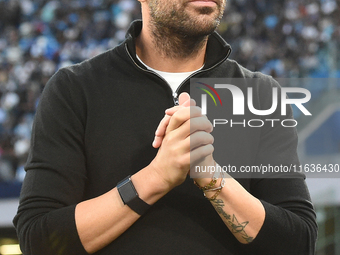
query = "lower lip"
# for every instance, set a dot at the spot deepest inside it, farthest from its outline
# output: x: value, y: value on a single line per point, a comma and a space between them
x: 203, y: 3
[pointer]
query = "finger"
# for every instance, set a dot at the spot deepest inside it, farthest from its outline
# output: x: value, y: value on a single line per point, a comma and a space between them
x: 200, y: 124
x: 192, y: 126
x: 182, y: 115
x: 172, y: 110
x: 160, y: 131
x: 184, y: 101
x: 200, y: 153
x: 157, y: 141
x: 199, y: 139
x: 183, y: 97
x: 190, y: 102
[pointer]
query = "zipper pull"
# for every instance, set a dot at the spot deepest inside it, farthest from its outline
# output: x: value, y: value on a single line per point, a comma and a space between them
x: 175, y: 96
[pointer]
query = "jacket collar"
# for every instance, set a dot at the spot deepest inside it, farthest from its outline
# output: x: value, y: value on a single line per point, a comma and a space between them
x: 217, y: 48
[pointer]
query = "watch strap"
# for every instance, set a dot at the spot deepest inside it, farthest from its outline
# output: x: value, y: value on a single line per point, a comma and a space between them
x: 130, y: 197
x: 138, y: 205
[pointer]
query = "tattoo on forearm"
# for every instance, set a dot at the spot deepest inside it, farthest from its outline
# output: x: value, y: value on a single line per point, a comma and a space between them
x: 235, y: 226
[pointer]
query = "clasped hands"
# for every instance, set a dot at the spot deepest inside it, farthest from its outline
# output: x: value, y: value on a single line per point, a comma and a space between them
x: 184, y: 140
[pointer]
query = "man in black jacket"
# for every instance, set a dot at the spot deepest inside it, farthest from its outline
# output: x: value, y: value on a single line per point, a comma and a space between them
x: 94, y: 128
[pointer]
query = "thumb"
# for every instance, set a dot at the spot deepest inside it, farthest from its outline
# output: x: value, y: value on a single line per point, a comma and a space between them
x: 183, y: 97
x: 185, y: 100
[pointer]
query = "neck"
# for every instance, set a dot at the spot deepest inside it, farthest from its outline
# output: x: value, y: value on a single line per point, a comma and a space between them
x: 166, y: 51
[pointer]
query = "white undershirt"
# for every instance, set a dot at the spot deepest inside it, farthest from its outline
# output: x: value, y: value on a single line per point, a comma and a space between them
x: 173, y: 79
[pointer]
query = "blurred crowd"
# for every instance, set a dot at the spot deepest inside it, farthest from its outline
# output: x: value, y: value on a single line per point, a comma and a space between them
x: 283, y: 38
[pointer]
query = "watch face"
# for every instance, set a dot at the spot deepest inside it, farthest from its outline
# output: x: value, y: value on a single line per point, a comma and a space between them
x: 130, y: 197
x: 126, y: 190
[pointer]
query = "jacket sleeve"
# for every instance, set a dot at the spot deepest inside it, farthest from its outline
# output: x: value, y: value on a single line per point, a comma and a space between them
x: 290, y: 223
x: 56, y: 173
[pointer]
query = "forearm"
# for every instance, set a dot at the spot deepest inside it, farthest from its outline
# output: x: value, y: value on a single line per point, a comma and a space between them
x: 101, y: 220
x: 241, y: 212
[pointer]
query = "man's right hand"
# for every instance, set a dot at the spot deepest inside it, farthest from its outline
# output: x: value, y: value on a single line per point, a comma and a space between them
x: 187, y: 140
x: 184, y: 101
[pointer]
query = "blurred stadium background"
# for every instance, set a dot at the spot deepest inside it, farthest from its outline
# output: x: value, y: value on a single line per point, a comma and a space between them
x: 283, y: 38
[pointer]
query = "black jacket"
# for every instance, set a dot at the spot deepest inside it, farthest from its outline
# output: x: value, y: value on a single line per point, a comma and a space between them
x: 94, y: 126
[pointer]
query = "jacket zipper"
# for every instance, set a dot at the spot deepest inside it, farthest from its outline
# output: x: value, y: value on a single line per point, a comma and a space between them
x: 175, y: 94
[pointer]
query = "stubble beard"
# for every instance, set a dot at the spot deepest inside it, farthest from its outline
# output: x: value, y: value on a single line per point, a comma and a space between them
x: 179, y: 35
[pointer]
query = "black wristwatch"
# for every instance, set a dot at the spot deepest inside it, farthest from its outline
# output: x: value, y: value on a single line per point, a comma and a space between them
x: 130, y: 196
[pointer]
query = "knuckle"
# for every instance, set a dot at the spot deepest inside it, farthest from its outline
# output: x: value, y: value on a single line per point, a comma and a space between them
x: 177, y: 117
x: 206, y: 150
x: 210, y: 148
x: 209, y: 140
x: 195, y: 111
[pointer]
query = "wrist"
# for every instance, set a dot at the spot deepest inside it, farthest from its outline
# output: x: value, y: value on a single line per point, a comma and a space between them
x: 207, y: 182
x: 149, y: 185
x: 167, y: 176
x: 213, y: 189
x: 130, y: 196
x: 203, y: 182
x: 203, y: 179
